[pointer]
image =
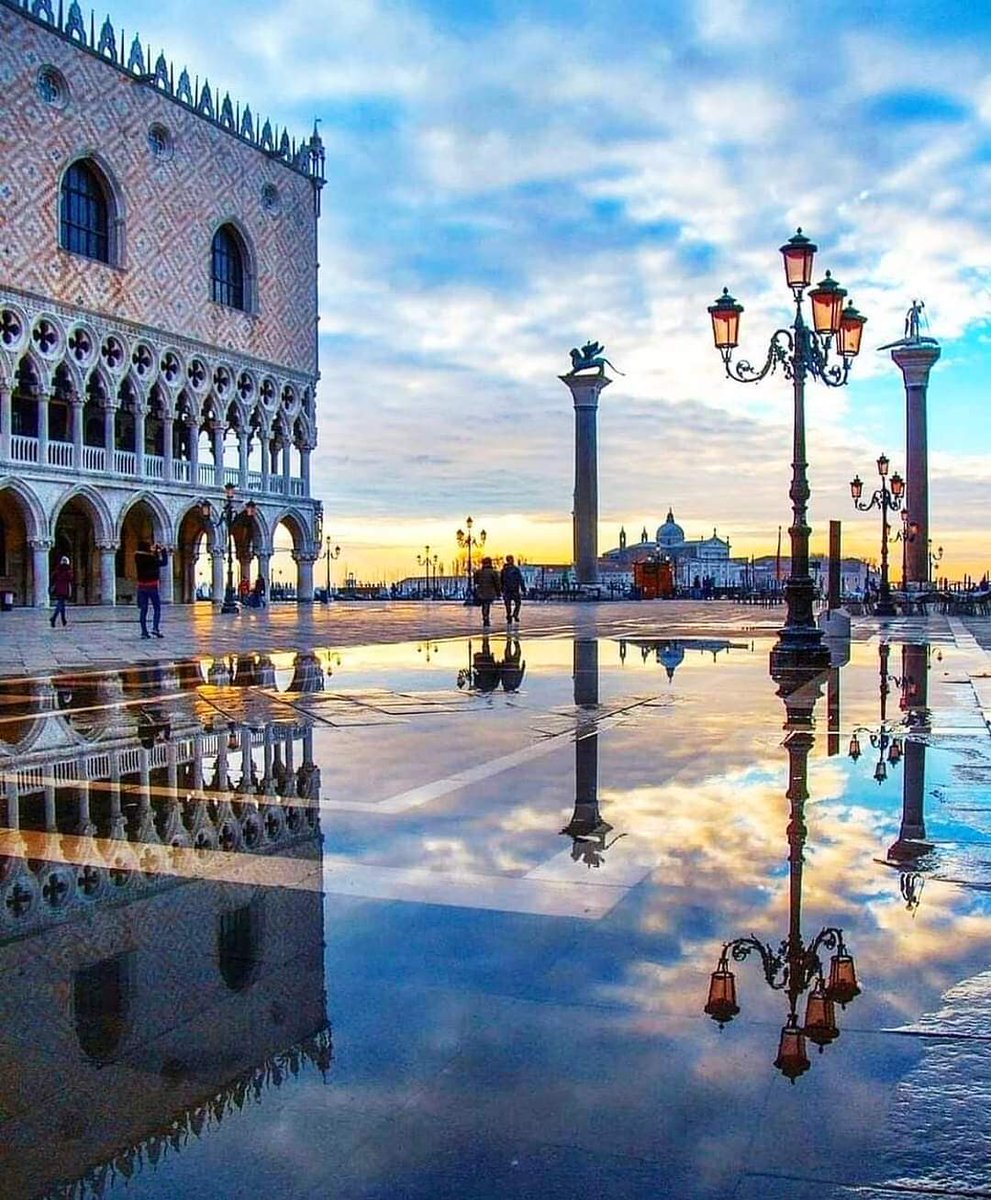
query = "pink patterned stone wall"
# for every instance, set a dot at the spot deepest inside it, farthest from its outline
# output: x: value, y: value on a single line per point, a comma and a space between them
x: 170, y: 207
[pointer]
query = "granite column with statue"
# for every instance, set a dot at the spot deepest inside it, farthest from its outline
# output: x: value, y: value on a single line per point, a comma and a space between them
x: 586, y: 380
x: 915, y: 355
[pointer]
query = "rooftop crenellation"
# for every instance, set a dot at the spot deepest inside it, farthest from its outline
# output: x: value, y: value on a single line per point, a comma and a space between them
x: 304, y: 155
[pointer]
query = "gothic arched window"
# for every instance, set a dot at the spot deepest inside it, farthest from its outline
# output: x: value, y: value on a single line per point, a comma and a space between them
x: 86, y: 213
x: 229, y: 268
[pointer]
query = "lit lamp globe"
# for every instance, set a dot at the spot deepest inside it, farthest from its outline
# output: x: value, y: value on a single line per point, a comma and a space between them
x: 798, y: 253
x: 725, y: 314
x: 827, y: 306
x: 851, y: 330
x: 820, y: 1017
x: 843, y: 985
x: 721, y: 1005
x: 792, y: 1059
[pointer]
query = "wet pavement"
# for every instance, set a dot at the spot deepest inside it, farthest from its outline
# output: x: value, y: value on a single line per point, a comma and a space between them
x: 358, y: 903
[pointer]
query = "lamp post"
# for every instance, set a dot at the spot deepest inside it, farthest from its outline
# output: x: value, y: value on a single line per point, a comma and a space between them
x: 906, y: 535
x: 226, y: 519
x: 800, y: 352
x: 935, y: 557
x: 795, y: 966
x: 887, y: 500
x: 331, y: 554
x: 424, y: 561
x: 466, y: 539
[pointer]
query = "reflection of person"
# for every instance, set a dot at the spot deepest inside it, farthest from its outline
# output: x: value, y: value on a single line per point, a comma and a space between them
x: 62, y: 581
x: 513, y: 589
x: 244, y: 590
x: 485, y: 668
x: 512, y: 668
x: 148, y: 562
x: 487, y: 587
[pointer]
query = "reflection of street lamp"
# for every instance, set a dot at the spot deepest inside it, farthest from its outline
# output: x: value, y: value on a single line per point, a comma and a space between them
x: 795, y: 966
x: 887, y: 500
x: 336, y: 553
x: 226, y: 520
x: 888, y: 746
x: 800, y: 352
x: 465, y: 541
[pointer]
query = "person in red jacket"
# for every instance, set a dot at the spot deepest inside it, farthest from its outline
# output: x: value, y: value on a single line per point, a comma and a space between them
x: 62, y: 581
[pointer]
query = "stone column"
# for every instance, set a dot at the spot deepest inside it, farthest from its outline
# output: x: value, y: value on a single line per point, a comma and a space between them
x: 108, y: 572
x: 266, y: 459
x: 167, y: 443
x: 78, y: 405
x: 217, y: 433
x: 140, y: 412
x: 264, y: 567
x: 217, y: 560
x: 304, y: 560
x: 194, y: 451
x: 915, y: 358
x: 109, y: 439
x: 39, y: 553
x: 43, y: 430
x: 242, y: 460
x: 585, y: 390
x: 304, y: 467
x: 167, y: 578
x: 286, y: 466
x: 6, y: 419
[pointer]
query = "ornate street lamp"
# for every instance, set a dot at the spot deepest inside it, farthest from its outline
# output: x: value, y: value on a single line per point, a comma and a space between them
x: 795, y: 967
x: 906, y: 535
x: 887, y: 499
x: 465, y: 542
x: 331, y: 554
x: 424, y: 561
x: 800, y: 352
x: 226, y: 519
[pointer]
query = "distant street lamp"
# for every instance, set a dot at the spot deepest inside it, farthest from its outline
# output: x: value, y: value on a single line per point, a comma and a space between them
x: 465, y: 541
x: 800, y: 352
x: 887, y: 500
x: 226, y: 519
x: 935, y: 557
x: 906, y: 535
x: 424, y: 560
x: 331, y: 554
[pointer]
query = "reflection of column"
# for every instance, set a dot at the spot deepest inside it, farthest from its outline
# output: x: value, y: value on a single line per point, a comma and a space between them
x: 911, y: 843
x: 833, y: 711
x: 586, y: 673
x: 585, y: 390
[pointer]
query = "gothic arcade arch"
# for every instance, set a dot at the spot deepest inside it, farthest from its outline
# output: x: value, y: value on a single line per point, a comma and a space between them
x: 23, y: 525
x: 82, y: 528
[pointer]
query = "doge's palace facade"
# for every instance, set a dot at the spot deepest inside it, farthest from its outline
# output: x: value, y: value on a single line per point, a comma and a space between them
x: 158, y: 316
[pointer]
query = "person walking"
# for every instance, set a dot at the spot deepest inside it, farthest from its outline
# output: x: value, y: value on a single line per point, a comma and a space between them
x: 513, y: 589
x: 148, y: 561
x: 62, y: 581
x: 487, y: 588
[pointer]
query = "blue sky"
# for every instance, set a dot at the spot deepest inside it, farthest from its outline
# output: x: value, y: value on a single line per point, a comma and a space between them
x: 506, y: 180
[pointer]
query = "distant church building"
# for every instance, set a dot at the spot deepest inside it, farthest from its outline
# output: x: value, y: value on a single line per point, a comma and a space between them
x: 692, y: 561
x: 158, y: 320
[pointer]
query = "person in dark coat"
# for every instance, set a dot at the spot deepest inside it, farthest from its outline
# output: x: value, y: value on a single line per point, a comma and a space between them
x: 148, y: 562
x: 487, y: 588
x: 513, y: 589
x: 62, y: 581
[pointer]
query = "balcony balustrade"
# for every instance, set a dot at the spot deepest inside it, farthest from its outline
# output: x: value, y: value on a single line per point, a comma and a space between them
x: 124, y: 463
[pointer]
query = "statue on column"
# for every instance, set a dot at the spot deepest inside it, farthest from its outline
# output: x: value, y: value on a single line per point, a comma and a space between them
x: 591, y: 357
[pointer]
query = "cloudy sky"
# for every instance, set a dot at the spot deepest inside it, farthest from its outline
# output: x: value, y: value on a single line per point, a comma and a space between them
x: 507, y: 180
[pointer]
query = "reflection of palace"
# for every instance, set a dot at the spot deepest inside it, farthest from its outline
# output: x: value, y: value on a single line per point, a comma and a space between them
x: 161, y: 921
x: 670, y: 652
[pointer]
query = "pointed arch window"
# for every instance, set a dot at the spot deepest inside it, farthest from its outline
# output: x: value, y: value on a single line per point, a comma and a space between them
x: 229, y: 268
x: 86, y: 213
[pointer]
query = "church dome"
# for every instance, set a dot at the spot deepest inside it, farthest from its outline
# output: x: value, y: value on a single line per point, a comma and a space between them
x: 670, y: 533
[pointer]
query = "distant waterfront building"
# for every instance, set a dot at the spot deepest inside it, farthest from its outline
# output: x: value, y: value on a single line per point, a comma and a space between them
x: 158, y: 319
x: 692, y: 560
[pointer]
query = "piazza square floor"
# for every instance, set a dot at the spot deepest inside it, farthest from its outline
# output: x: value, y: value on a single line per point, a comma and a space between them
x: 354, y: 901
